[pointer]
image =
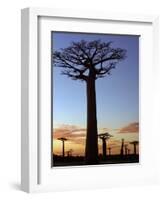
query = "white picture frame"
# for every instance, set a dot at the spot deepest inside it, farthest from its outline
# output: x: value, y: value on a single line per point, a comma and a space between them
x: 36, y: 171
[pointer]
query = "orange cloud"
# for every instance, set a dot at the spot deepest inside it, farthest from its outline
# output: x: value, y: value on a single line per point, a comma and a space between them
x: 72, y: 133
x: 130, y: 128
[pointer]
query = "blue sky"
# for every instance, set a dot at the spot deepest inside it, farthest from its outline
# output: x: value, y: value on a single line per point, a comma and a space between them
x: 117, y: 95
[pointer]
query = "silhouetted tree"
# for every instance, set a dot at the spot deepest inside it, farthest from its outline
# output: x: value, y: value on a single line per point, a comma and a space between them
x: 69, y: 152
x: 63, y: 145
x: 122, y: 148
x: 87, y: 61
x: 134, y: 143
x: 126, y: 150
x: 109, y: 151
x: 104, y: 137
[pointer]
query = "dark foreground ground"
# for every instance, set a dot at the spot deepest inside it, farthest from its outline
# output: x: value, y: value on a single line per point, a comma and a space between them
x: 79, y: 160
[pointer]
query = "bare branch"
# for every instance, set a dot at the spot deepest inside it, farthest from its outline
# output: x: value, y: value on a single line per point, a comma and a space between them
x: 83, y: 47
x: 114, y: 54
x: 105, y: 70
x: 95, y: 56
x: 74, y: 76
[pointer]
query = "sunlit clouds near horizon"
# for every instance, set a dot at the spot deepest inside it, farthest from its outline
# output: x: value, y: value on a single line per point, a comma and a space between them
x: 76, y: 137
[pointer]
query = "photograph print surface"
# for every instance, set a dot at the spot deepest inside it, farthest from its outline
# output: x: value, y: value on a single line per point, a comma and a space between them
x: 95, y: 99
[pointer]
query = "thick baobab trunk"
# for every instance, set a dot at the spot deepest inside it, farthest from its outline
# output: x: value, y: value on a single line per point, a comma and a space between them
x: 91, y: 151
x: 104, y: 147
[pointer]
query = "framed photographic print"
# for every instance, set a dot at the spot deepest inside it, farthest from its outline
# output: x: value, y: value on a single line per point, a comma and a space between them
x: 89, y: 87
x: 89, y: 125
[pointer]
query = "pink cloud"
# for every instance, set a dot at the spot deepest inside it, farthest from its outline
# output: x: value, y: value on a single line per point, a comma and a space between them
x: 72, y: 133
x: 130, y: 128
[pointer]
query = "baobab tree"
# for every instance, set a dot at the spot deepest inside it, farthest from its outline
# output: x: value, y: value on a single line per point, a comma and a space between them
x: 126, y: 149
x: 69, y: 152
x: 63, y: 145
x: 134, y: 143
x: 122, y: 147
x: 104, y: 137
x: 110, y: 151
x: 87, y: 61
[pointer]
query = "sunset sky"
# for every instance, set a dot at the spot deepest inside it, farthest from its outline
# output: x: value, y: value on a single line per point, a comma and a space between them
x: 117, y: 98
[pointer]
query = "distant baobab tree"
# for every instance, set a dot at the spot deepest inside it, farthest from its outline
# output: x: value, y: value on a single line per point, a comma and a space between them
x: 63, y: 145
x: 110, y: 151
x: 126, y: 149
x: 87, y: 61
x: 122, y: 148
x: 134, y: 143
x: 104, y: 137
x: 69, y: 152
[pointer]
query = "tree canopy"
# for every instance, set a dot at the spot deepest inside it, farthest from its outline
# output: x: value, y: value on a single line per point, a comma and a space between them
x: 83, y: 58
